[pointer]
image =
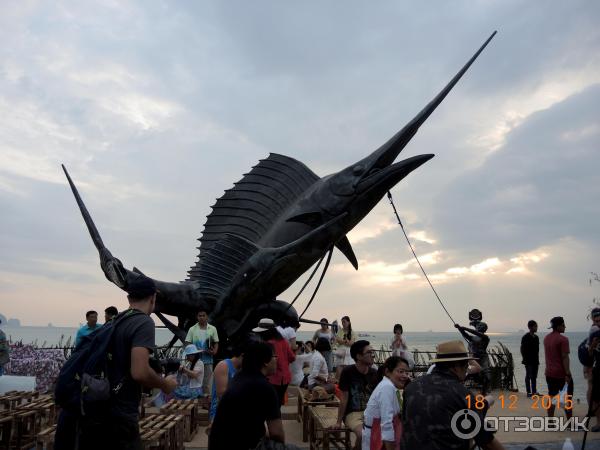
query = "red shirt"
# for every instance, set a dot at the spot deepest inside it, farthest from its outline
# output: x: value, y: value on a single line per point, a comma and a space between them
x: 285, y: 356
x: 555, y: 345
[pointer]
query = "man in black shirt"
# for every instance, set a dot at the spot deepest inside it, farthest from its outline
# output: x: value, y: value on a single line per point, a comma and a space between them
x: 357, y: 382
x: 530, y: 351
x: 432, y: 402
x: 249, y: 401
x: 128, y: 370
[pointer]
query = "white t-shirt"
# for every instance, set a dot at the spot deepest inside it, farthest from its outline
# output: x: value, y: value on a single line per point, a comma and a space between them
x: 318, y: 368
x: 287, y: 332
x: 193, y: 383
x: 297, y: 368
x: 383, y: 404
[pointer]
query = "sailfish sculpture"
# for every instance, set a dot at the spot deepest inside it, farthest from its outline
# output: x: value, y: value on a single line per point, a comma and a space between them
x: 270, y: 228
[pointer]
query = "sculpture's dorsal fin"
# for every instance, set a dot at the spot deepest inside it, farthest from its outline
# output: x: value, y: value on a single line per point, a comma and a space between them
x: 251, y: 207
x: 221, y: 263
x: 343, y: 245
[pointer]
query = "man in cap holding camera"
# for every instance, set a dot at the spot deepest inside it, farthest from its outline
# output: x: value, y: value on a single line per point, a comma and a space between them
x: 436, y: 405
x: 128, y: 370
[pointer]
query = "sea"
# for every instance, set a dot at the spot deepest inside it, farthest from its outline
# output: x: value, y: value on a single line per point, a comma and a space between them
x: 422, y: 341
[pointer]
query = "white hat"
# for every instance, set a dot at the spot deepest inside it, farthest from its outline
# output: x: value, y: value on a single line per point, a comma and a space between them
x: 264, y: 325
x: 190, y: 349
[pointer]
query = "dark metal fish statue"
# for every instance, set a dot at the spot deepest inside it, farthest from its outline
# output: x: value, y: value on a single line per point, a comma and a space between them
x: 270, y: 228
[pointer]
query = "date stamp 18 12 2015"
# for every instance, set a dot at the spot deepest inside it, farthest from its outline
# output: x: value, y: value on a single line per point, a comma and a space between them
x: 511, y: 402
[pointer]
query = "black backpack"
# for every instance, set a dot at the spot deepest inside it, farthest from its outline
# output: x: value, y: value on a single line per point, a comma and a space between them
x: 584, y: 355
x: 82, y: 387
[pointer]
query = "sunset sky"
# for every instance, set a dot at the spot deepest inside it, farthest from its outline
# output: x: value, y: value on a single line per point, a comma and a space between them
x: 157, y: 107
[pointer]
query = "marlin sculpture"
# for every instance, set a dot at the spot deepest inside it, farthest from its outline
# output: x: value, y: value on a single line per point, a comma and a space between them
x: 270, y: 228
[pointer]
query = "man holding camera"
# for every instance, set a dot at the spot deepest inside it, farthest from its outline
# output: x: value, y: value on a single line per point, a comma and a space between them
x: 128, y: 370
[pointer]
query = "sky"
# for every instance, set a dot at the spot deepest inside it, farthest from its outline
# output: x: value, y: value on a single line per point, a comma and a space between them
x: 157, y: 107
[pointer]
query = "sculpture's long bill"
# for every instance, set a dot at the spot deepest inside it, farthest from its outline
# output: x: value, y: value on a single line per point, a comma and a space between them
x: 388, y: 152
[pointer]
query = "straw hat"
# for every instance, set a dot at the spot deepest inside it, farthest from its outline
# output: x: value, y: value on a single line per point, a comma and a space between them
x: 451, y: 351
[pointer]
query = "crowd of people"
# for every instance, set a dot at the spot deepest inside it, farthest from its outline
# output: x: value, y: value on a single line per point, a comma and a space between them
x: 382, y: 406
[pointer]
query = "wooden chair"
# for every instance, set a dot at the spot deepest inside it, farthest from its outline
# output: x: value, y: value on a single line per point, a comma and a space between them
x: 172, y: 424
x: 303, y: 409
x: 321, y: 435
x: 188, y: 410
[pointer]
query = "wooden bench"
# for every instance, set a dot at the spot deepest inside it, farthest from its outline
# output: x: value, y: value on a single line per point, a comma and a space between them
x: 25, y: 429
x: 188, y: 409
x: 45, y: 439
x: 45, y: 407
x: 154, y: 439
x: 304, y: 404
x: 171, y: 423
x: 321, y: 435
x: 11, y: 399
x: 6, y: 426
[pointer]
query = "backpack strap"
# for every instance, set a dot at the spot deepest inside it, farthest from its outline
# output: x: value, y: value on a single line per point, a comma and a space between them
x: 117, y: 321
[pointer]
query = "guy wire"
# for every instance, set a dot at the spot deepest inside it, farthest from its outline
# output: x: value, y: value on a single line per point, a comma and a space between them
x: 320, y: 280
x: 389, y: 194
x: 307, y: 281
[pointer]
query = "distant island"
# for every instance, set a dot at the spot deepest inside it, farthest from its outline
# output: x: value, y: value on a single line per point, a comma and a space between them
x: 9, y: 322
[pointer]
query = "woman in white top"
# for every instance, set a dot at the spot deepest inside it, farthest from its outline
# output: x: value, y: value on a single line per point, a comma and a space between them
x: 319, y: 373
x: 382, y: 426
x: 302, y: 360
x: 190, y: 375
x: 345, y: 338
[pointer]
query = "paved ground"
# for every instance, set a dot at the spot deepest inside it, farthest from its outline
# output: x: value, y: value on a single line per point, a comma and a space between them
x: 520, y: 406
x: 593, y: 445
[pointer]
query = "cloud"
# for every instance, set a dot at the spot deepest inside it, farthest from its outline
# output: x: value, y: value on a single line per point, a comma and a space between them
x: 156, y: 109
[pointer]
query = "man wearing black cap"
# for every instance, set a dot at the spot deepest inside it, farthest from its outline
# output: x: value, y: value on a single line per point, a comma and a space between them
x: 129, y: 370
x: 558, y: 372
